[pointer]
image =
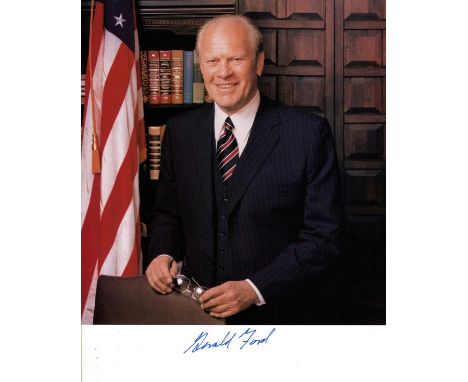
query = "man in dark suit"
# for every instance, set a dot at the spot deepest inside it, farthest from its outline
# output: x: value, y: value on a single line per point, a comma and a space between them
x: 248, y: 195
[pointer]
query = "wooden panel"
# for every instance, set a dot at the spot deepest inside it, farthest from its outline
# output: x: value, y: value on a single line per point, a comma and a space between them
x: 262, y: 9
x: 290, y: 24
x: 303, y: 92
x: 364, y: 72
x: 330, y: 67
x: 282, y: 44
x: 364, y: 118
x: 304, y: 47
x: 365, y: 187
x: 364, y: 10
x: 363, y: 95
x: 364, y: 141
x: 384, y: 50
x: 364, y: 24
x: 185, y: 8
x: 267, y: 85
x: 363, y: 48
x: 270, y: 37
x: 309, y: 10
x: 339, y: 83
x: 294, y: 70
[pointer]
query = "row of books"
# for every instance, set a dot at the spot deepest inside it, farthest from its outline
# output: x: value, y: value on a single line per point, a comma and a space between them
x: 171, y: 77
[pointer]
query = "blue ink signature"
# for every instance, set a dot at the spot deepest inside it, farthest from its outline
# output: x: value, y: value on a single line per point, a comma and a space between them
x: 247, y: 338
x: 254, y: 341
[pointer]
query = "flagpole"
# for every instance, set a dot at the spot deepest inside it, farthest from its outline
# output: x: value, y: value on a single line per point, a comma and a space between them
x: 96, y: 163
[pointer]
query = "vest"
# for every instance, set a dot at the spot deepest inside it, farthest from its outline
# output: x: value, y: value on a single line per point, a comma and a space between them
x: 221, y: 194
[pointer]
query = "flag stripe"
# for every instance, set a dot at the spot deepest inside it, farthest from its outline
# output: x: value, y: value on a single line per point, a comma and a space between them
x: 118, y: 142
x: 115, y: 258
x: 115, y: 89
x: 120, y: 197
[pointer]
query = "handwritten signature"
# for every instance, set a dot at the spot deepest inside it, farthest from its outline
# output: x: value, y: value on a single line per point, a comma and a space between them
x: 248, y: 337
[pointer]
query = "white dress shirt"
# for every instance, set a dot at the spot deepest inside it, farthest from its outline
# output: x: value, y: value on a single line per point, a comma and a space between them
x: 242, y: 121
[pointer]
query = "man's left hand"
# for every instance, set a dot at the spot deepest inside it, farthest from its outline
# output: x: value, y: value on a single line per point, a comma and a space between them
x: 229, y: 298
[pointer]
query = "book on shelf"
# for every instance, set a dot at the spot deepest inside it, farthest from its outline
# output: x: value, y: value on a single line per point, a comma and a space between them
x: 177, y: 77
x: 165, y: 62
x: 198, y: 88
x: 83, y: 88
x: 144, y: 75
x: 155, y: 137
x: 188, y: 76
x: 154, y: 86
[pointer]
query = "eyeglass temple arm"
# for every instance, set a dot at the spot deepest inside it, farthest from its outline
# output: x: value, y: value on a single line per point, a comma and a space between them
x: 195, y: 281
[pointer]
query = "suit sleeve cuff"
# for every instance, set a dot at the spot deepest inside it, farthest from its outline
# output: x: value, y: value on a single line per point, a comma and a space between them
x: 260, y: 301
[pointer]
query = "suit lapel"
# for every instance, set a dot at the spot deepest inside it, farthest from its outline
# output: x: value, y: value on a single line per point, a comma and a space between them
x: 263, y: 138
x: 203, y: 150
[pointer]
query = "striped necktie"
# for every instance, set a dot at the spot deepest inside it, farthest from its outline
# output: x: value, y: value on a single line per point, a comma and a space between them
x: 227, y: 150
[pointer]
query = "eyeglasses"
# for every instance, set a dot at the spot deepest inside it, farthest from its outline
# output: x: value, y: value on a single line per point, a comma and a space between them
x: 183, y: 284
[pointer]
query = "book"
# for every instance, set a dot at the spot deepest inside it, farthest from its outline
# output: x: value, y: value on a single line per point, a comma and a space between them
x: 177, y: 77
x: 144, y: 75
x: 154, y: 86
x: 155, y: 137
x: 188, y: 76
x: 165, y: 62
x: 83, y: 88
x: 198, y: 88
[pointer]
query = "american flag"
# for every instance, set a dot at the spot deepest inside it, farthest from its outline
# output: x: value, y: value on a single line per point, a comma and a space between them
x: 113, y: 146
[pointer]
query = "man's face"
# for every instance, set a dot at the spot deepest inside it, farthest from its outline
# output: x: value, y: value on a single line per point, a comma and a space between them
x: 229, y: 65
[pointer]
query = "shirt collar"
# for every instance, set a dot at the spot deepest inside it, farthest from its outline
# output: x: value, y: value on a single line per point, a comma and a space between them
x: 242, y: 119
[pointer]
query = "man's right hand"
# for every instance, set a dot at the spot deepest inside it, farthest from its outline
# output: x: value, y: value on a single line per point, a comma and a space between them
x: 160, y: 274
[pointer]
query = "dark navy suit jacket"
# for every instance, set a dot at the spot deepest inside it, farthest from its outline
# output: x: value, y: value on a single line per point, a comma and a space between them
x: 283, y: 213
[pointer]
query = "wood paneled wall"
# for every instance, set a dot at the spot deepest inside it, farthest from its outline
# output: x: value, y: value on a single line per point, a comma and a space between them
x: 328, y: 57
x: 298, y: 37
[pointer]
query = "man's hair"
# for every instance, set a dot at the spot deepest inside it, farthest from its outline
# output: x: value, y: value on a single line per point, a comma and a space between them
x: 255, y: 36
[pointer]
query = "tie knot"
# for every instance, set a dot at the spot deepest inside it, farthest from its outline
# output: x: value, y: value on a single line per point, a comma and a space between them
x: 228, y: 124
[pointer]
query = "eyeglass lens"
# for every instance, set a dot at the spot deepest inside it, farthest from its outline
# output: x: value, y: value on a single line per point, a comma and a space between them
x: 183, y: 284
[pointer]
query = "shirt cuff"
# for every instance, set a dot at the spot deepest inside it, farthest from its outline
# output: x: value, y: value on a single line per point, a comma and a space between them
x: 165, y: 254
x: 260, y: 301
